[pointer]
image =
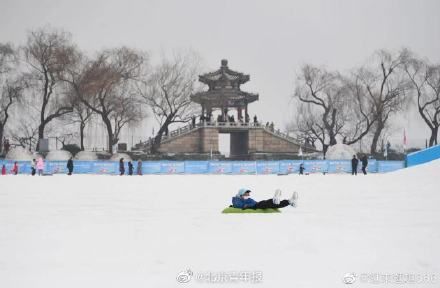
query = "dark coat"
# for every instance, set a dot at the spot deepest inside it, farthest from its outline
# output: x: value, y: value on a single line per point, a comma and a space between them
x: 354, y: 162
x: 364, y: 161
x: 70, y: 164
x: 121, y: 166
x: 130, y: 168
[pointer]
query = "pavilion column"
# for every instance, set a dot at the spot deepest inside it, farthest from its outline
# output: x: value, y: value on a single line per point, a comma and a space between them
x: 209, y: 113
x: 239, y: 114
x: 246, y: 117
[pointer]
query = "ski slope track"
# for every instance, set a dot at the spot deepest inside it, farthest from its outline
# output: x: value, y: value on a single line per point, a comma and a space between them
x: 112, y: 231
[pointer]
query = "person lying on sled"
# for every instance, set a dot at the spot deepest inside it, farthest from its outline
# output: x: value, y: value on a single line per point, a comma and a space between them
x: 242, y: 200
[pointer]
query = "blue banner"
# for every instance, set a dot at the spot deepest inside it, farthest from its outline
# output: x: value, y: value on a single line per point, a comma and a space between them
x: 290, y: 166
x: 209, y: 167
x: 371, y: 167
x: 151, y: 167
x: 244, y: 167
x: 82, y: 167
x: 423, y: 156
x: 315, y: 166
x: 172, y: 167
x: 107, y: 167
x: 220, y: 167
x: 24, y: 167
x: 388, y: 166
x: 196, y: 167
x: 55, y: 167
x: 268, y: 167
x: 339, y: 166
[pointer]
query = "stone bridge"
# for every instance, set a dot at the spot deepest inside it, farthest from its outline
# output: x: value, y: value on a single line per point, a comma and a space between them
x: 247, y: 140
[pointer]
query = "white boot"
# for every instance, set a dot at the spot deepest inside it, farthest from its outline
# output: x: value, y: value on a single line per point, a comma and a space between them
x: 293, y: 199
x: 277, y: 197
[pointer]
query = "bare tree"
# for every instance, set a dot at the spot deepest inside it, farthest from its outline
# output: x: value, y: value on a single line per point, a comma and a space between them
x: 323, y: 90
x: 128, y: 109
x: 11, y: 85
x: 306, y: 125
x: 48, y: 53
x: 106, y: 86
x: 81, y: 115
x: 8, y: 58
x: 25, y: 133
x: 167, y: 91
x: 425, y: 83
x: 360, y: 112
x: 385, y: 89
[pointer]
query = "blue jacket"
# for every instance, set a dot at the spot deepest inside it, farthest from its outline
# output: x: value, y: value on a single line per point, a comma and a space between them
x: 239, y: 202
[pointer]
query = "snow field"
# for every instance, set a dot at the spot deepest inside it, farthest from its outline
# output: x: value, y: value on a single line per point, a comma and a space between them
x: 111, y: 231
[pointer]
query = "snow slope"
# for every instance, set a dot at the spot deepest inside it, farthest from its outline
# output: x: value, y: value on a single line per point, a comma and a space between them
x: 111, y: 231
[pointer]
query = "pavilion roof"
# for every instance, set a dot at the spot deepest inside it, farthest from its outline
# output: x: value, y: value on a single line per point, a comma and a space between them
x: 224, y: 73
x: 224, y: 96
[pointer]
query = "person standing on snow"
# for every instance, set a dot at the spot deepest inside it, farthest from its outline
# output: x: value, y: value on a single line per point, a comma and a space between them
x: 301, y: 169
x: 3, y: 170
x: 139, y: 167
x: 40, y: 166
x: 121, y: 167
x: 242, y: 200
x: 130, y: 168
x: 70, y: 166
x: 14, y: 170
x: 364, y: 161
x: 33, y: 165
x: 354, y: 165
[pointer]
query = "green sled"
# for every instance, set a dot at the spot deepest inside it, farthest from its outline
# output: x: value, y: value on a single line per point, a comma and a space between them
x: 238, y: 210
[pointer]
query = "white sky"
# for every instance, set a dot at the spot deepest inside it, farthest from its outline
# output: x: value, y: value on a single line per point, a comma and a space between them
x: 269, y: 40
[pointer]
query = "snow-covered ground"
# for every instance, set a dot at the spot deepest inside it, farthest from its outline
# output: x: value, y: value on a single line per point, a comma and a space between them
x: 111, y: 231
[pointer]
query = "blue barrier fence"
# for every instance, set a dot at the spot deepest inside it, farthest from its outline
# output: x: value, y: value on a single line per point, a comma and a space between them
x: 423, y: 156
x: 211, y: 167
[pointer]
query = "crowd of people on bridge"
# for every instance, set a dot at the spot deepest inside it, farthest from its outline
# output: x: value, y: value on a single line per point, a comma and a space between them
x: 226, y: 118
x: 223, y: 118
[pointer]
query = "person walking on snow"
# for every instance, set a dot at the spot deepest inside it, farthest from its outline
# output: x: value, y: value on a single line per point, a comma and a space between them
x: 130, y: 168
x: 70, y: 166
x: 301, y: 169
x: 121, y: 167
x: 354, y: 165
x: 33, y: 165
x: 242, y: 200
x: 139, y: 167
x: 40, y: 166
x: 364, y: 162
